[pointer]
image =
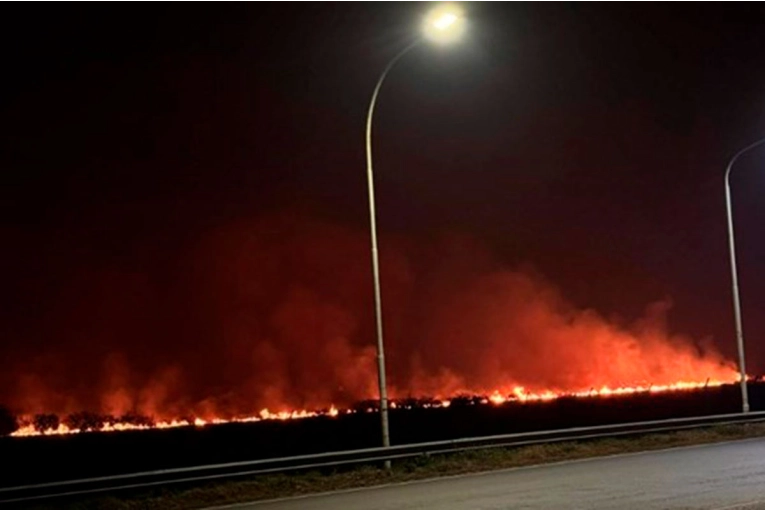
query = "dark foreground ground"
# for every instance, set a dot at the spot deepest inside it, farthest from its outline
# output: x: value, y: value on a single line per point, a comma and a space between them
x: 713, y: 477
x: 41, y: 459
x: 200, y: 495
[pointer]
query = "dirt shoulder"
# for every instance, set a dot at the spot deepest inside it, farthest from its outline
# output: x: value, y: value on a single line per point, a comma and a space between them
x: 283, y: 485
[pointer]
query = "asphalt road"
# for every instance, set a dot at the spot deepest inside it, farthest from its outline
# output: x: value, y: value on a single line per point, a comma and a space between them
x: 722, y: 476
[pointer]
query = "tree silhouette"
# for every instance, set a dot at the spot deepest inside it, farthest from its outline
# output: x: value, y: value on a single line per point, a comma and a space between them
x: 43, y: 422
x: 8, y: 422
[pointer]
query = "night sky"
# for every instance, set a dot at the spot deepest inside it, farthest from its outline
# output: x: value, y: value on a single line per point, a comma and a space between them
x: 586, y: 143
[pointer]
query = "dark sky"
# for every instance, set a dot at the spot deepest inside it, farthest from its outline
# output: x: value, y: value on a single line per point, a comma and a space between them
x: 587, y: 141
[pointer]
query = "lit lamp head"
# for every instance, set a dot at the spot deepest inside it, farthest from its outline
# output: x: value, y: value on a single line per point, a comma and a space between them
x: 444, y: 24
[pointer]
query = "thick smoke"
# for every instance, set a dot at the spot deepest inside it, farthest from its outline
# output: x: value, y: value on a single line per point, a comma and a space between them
x: 277, y: 313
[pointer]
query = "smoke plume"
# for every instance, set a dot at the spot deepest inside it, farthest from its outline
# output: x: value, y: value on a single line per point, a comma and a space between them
x: 277, y: 313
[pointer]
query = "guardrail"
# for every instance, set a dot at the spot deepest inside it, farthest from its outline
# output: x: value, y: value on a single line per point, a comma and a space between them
x: 161, y: 477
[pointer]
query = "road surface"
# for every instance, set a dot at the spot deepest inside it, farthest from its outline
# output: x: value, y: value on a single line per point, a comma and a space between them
x: 721, y: 476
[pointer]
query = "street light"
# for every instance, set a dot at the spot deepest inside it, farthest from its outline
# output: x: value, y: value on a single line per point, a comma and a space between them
x: 734, y: 279
x: 444, y: 24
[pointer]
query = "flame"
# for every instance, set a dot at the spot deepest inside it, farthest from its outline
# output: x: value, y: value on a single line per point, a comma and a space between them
x: 277, y: 309
x: 497, y: 398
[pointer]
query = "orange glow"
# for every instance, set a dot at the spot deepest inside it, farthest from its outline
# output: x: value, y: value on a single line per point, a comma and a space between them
x: 497, y: 397
x: 282, y: 328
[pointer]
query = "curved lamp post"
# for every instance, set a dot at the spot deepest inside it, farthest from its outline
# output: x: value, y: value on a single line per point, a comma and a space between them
x: 734, y: 279
x: 444, y: 24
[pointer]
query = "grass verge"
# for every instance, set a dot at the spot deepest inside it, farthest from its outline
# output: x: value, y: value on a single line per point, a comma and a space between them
x: 281, y: 485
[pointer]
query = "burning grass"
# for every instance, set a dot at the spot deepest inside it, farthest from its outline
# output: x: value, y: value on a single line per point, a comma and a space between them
x: 51, y: 424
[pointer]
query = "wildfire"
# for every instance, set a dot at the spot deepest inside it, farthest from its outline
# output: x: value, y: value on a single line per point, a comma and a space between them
x: 497, y: 397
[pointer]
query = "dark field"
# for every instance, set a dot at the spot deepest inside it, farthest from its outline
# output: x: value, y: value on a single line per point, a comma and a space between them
x: 40, y: 459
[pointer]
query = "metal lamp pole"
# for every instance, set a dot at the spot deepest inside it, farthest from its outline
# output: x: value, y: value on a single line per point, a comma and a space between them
x: 734, y: 279
x: 375, y: 262
x: 443, y: 24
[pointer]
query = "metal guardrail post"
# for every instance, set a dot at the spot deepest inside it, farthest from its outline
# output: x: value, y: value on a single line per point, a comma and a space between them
x: 361, y: 456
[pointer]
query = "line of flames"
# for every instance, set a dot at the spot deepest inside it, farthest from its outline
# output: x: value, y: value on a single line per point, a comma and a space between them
x: 517, y: 394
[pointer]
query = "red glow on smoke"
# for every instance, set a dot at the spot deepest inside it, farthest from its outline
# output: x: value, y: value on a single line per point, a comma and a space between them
x: 277, y: 314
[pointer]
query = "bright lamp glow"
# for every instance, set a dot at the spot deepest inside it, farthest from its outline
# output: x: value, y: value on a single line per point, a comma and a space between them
x: 444, y: 24
x: 445, y: 21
